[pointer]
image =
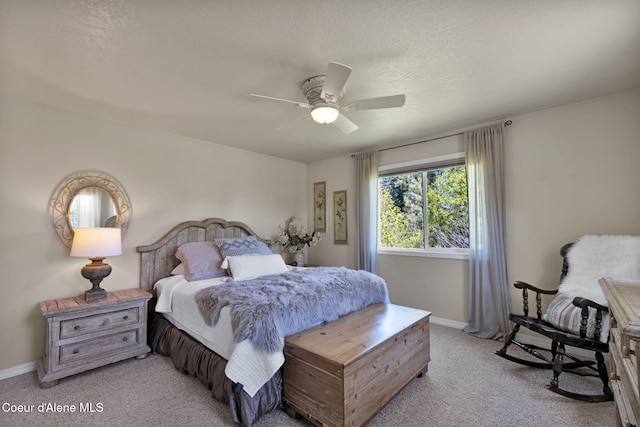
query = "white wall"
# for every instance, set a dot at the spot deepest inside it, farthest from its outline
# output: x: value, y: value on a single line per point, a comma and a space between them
x: 412, y: 281
x: 570, y: 170
x: 338, y: 174
x: 168, y: 179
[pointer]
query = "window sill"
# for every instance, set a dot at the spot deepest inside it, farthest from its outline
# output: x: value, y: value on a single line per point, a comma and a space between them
x: 427, y: 253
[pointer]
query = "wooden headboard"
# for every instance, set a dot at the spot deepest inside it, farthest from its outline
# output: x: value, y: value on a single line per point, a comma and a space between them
x: 158, y: 259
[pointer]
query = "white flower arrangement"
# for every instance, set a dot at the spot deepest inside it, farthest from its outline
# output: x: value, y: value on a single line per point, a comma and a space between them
x: 294, y: 237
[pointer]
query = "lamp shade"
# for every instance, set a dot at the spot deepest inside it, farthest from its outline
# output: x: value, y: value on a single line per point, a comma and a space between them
x: 96, y: 242
x: 325, y: 114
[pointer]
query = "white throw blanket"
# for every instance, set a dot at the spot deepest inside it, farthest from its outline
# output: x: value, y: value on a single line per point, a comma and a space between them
x: 594, y: 257
x: 246, y: 365
x: 590, y: 259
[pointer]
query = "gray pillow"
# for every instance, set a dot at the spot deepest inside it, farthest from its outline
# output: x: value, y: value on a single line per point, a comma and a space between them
x: 264, y: 249
x: 238, y: 246
x: 201, y: 260
x: 565, y: 316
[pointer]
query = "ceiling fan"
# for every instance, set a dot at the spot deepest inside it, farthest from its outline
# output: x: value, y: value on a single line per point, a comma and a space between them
x: 324, y: 94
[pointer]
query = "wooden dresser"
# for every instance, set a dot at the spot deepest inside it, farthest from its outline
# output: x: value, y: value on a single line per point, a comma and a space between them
x: 83, y: 335
x: 623, y: 297
x: 343, y: 372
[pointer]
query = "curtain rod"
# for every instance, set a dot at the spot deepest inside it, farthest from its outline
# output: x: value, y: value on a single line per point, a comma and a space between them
x: 505, y: 124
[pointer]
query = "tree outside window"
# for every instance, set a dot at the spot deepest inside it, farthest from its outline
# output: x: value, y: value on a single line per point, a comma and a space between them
x: 436, y: 198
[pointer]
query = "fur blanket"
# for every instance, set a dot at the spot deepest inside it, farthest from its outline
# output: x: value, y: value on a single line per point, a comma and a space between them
x: 269, y: 308
x: 593, y: 257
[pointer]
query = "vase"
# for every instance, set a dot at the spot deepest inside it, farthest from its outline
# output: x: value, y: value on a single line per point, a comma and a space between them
x: 298, y: 258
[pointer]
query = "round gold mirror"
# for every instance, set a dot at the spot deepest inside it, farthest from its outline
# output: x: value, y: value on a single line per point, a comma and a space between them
x: 88, y: 199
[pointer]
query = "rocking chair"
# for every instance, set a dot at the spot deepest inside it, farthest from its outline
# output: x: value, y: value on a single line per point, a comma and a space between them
x: 578, y: 315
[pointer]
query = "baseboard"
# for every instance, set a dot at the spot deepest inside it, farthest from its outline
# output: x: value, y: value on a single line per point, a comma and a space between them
x: 447, y: 322
x: 18, y: 370
x: 525, y: 339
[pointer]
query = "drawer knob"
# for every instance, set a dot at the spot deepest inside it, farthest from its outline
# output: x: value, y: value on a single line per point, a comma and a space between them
x: 125, y: 317
x: 77, y: 327
x: 76, y: 351
x: 125, y: 339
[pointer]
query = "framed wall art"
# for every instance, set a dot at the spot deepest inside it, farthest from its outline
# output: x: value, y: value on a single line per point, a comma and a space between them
x: 319, y: 206
x: 340, y: 217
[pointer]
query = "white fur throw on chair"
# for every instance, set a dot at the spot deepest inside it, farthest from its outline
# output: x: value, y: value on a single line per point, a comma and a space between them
x: 591, y: 258
x: 594, y: 257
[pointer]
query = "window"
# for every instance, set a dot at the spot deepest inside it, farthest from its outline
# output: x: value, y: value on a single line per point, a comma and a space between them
x: 425, y: 207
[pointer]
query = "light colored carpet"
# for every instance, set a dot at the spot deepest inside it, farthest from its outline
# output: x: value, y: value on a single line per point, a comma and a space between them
x: 467, y: 385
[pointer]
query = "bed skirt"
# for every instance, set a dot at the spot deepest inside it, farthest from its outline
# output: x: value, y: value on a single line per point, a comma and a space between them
x: 191, y: 357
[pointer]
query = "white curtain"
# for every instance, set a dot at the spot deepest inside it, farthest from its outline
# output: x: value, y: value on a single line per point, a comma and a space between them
x: 89, y: 207
x: 488, y: 288
x: 92, y: 207
x: 367, y: 210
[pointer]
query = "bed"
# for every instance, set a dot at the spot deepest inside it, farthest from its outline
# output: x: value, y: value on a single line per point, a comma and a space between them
x: 224, y: 367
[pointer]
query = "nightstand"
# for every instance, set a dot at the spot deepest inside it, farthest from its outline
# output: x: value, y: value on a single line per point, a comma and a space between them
x: 83, y: 335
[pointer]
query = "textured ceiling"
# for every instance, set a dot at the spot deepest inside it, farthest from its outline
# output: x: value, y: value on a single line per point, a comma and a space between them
x: 188, y: 66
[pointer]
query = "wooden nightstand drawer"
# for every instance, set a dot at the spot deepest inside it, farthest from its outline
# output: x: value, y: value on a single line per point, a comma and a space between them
x: 84, y: 325
x: 98, y: 346
x: 83, y: 335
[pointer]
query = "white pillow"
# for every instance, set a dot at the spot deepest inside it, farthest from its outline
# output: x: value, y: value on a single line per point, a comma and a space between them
x: 249, y: 267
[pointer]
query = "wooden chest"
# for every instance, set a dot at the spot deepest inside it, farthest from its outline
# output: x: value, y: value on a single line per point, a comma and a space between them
x: 343, y: 373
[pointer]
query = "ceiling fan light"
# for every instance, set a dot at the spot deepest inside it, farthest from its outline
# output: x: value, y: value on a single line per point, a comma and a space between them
x: 325, y: 114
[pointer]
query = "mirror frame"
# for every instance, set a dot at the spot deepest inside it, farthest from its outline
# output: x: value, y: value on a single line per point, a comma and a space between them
x: 71, y: 185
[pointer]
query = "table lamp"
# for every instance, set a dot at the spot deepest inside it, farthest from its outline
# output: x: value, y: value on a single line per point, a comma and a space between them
x: 96, y: 244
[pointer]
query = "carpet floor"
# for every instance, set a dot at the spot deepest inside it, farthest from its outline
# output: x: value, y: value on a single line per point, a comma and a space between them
x: 467, y: 385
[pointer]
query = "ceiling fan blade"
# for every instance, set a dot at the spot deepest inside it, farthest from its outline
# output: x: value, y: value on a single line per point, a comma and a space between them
x: 334, y: 81
x: 345, y: 125
x: 292, y: 123
x: 375, y: 103
x: 299, y: 104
